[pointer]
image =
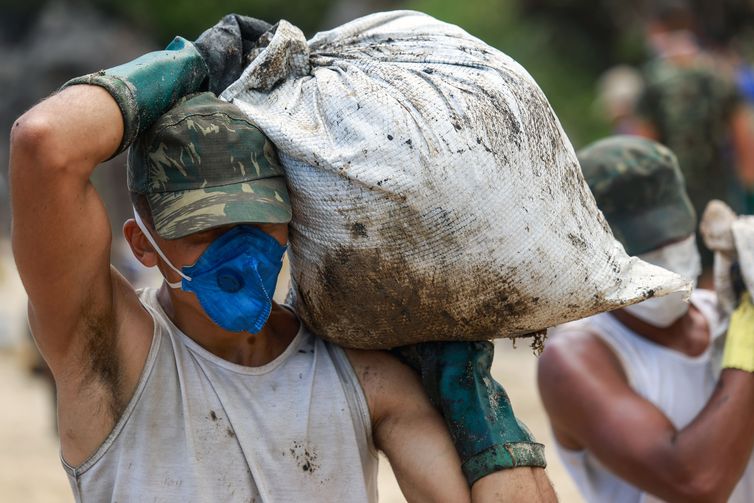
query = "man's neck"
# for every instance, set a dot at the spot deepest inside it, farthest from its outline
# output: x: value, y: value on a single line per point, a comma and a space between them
x: 689, y: 334
x: 242, y: 348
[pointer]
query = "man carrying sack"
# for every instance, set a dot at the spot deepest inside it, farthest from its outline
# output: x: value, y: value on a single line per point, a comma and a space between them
x: 185, y: 390
x: 637, y: 407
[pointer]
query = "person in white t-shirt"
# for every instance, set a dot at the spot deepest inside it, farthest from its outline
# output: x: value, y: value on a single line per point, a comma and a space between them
x: 639, y: 407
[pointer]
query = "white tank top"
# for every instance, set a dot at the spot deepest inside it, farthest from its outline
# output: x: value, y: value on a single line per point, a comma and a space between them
x: 201, y: 429
x: 678, y: 384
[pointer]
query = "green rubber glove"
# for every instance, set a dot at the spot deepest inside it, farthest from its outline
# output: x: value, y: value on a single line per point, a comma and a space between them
x: 484, y: 429
x: 150, y: 85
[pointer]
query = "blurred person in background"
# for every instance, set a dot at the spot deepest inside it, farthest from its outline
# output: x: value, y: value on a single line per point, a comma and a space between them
x: 618, y: 90
x: 637, y: 405
x: 698, y: 112
x: 4, y: 217
x: 729, y: 60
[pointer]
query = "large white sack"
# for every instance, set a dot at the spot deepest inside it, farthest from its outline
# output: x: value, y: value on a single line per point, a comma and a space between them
x: 435, y: 194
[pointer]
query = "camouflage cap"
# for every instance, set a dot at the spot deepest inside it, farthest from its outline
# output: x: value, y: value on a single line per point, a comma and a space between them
x: 640, y: 190
x: 202, y: 165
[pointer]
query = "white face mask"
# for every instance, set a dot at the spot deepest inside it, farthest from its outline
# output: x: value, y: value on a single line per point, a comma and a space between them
x: 681, y: 258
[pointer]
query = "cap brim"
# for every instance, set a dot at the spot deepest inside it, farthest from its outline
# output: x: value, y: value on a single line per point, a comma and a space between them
x: 651, y: 229
x: 178, y: 214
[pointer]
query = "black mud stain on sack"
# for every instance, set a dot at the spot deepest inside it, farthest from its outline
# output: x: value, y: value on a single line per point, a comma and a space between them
x: 576, y: 189
x: 358, y: 230
x: 290, y: 58
x: 492, y: 114
x: 578, y: 242
x: 404, y: 304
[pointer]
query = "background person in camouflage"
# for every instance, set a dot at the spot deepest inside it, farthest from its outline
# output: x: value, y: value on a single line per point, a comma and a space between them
x: 634, y: 397
x: 696, y: 110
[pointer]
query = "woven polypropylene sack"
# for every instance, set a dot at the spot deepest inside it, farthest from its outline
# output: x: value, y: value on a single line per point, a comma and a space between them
x: 435, y: 194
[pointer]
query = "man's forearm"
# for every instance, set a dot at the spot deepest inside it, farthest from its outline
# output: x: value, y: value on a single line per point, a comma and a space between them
x: 515, y: 485
x: 705, y: 460
x: 475, y: 407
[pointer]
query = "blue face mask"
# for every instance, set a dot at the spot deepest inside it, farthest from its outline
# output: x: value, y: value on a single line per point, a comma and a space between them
x: 234, y: 278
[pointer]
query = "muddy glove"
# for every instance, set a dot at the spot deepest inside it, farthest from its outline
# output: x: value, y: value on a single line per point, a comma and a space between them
x: 485, y: 432
x: 716, y: 228
x: 150, y: 85
x: 739, y: 342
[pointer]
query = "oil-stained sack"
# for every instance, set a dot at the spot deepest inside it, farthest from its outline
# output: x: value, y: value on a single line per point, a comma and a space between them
x: 435, y: 194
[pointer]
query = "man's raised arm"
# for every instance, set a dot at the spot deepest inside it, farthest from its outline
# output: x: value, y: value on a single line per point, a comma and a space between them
x: 60, y: 230
x: 61, y: 236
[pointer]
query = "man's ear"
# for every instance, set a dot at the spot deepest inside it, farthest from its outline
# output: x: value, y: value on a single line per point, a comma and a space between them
x: 140, y: 245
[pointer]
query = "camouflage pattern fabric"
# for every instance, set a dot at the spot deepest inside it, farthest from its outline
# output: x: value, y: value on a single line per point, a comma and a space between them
x: 639, y: 188
x: 691, y: 108
x: 202, y: 165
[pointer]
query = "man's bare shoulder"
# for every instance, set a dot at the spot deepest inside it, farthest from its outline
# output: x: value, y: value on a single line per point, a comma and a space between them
x: 576, y: 349
x: 377, y: 368
x: 576, y: 371
x: 409, y: 430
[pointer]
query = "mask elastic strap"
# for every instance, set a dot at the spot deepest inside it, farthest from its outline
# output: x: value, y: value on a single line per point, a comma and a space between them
x: 154, y: 244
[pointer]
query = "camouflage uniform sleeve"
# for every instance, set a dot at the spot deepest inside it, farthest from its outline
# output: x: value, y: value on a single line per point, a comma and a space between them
x: 732, y: 98
x: 647, y: 104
